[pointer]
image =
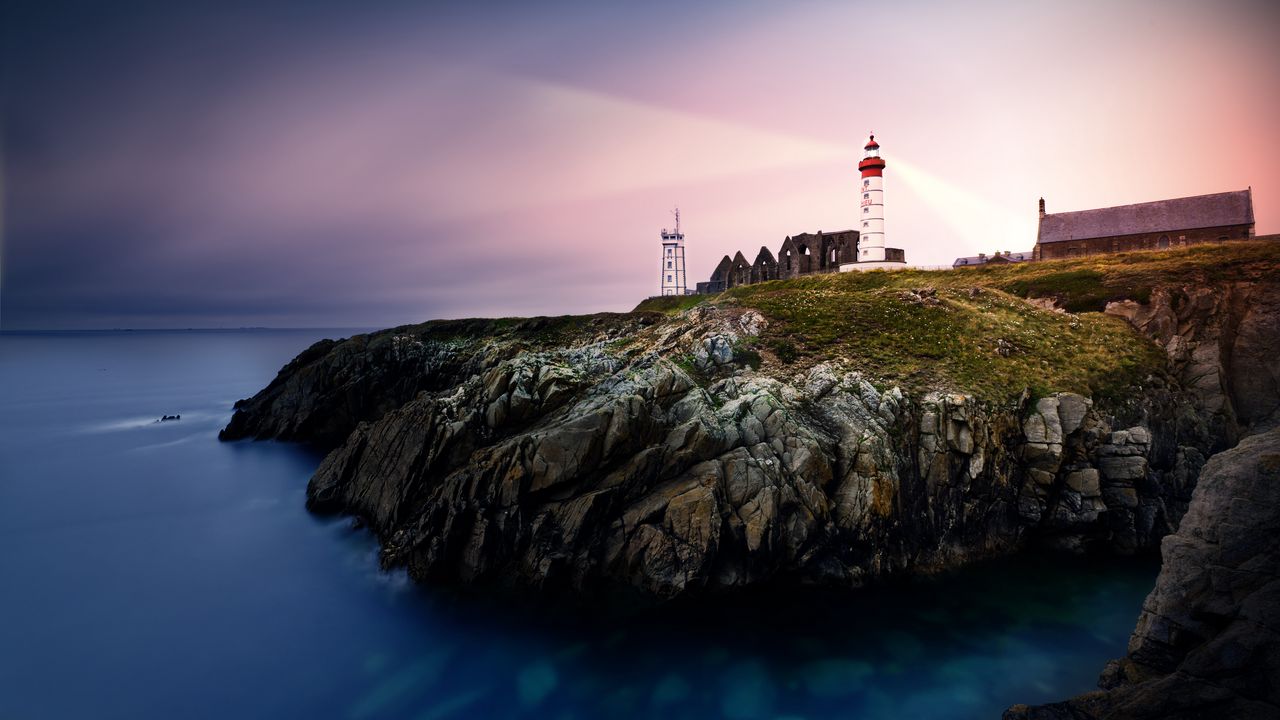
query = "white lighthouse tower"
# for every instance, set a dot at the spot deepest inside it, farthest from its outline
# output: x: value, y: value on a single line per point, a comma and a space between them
x: 872, y: 252
x: 871, y: 237
x: 673, y: 260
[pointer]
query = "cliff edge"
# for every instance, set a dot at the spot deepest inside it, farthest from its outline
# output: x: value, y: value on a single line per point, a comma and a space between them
x: 1207, y: 644
x: 824, y: 430
x: 833, y: 430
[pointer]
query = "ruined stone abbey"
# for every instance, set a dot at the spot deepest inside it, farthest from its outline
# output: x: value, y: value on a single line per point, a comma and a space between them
x: 799, y: 255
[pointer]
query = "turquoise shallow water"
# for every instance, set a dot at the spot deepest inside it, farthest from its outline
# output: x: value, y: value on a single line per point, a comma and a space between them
x: 149, y: 571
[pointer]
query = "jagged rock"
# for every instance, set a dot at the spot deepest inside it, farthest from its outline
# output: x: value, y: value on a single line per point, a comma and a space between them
x: 1221, y: 344
x: 716, y: 350
x: 1072, y: 409
x: 921, y: 296
x: 1043, y: 425
x: 631, y: 477
x: 600, y: 465
x: 1084, y: 482
x: 752, y: 322
x: 1123, y: 468
x: 1207, y: 644
x: 588, y: 456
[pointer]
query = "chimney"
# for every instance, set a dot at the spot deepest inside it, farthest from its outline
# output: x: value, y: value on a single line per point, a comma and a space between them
x: 982, y: 256
x: 1041, y: 207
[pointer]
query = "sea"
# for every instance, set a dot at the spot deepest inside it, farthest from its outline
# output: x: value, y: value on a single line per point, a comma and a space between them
x: 148, y: 570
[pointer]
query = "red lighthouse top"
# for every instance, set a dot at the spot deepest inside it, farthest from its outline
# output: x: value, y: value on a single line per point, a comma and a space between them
x: 872, y: 165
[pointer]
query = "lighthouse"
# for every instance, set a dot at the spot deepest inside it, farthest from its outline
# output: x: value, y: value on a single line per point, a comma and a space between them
x: 872, y: 252
x: 673, y: 260
x: 871, y: 237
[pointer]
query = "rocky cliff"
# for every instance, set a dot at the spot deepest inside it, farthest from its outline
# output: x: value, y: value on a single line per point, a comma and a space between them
x: 834, y: 430
x: 657, y: 455
x: 1221, y: 342
x: 1207, y: 644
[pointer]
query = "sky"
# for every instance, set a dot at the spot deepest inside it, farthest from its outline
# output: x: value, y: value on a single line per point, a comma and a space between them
x: 344, y: 164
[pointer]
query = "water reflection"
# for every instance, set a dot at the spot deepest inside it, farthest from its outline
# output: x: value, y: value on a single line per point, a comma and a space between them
x: 968, y: 645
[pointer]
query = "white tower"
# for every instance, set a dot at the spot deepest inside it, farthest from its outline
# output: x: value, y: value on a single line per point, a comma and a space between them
x: 673, y: 260
x: 871, y: 228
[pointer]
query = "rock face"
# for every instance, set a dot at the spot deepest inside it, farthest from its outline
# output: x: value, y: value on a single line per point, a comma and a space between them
x: 647, y: 458
x: 1207, y: 644
x: 1221, y: 343
x: 322, y: 394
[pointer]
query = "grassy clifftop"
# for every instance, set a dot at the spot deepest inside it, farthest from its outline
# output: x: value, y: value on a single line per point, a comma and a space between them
x: 971, y: 329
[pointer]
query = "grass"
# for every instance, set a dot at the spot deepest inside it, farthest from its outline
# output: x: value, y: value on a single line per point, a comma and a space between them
x: 670, y: 304
x: 532, y: 333
x: 1089, y: 283
x: 975, y: 335
x: 988, y: 341
x: 956, y: 344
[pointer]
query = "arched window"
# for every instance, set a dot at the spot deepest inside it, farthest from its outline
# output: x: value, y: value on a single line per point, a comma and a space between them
x: 1163, y: 242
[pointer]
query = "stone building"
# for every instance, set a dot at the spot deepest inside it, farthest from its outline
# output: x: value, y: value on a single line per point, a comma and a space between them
x: 996, y: 258
x: 1146, y: 226
x: 719, y: 281
x: 739, y: 271
x: 765, y: 267
x: 798, y: 255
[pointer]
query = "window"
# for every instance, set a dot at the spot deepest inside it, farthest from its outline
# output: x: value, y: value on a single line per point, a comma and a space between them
x: 1163, y: 242
x: 668, y: 278
x: 866, y: 210
x: 668, y: 251
x: 866, y: 196
x: 668, y: 264
x: 865, y: 224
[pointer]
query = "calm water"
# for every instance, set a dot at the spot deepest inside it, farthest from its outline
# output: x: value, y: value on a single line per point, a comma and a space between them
x: 149, y: 571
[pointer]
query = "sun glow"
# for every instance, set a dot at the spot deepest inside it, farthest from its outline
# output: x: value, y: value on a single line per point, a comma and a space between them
x: 976, y: 223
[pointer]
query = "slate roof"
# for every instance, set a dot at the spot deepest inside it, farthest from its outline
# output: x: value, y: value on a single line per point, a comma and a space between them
x: 984, y: 259
x: 1189, y: 213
